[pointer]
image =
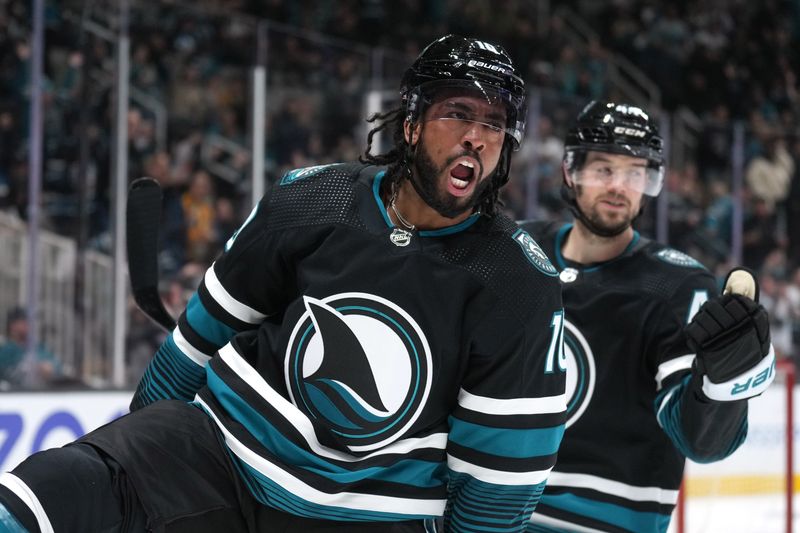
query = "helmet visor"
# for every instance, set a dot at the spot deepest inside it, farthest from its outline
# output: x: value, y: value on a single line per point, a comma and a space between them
x: 634, y: 173
x: 465, y: 103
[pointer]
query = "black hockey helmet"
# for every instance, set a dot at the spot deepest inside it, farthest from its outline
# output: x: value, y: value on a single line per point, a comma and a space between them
x: 619, y: 129
x: 473, y: 66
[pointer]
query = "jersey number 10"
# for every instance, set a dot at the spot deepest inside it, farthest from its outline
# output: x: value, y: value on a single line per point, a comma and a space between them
x: 556, y: 349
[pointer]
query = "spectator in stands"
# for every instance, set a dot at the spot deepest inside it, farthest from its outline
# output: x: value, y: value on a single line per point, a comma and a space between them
x: 769, y: 175
x: 199, y: 214
x: 775, y: 299
x: 12, y: 354
x: 760, y: 235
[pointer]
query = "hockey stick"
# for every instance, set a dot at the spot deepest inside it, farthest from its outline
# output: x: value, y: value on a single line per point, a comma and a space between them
x: 143, y: 214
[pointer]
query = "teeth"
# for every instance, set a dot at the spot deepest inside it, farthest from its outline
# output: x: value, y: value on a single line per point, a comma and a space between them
x: 467, y: 164
x: 461, y: 184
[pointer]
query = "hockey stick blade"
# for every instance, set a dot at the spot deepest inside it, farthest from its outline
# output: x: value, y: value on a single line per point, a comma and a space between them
x: 143, y: 217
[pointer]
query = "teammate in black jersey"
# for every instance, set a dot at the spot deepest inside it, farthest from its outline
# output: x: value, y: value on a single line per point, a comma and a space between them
x: 644, y: 391
x: 376, y: 347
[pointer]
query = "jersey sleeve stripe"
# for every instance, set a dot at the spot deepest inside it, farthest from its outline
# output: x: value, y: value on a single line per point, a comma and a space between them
x: 206, y: 326
x: 236, y: 308
x: 487, y: 507
x: 499, y: 463
x: 547, y: 420
x: 191, y: 353
x: 182, y: 384
x: 498, y: 477
x: 514, y: 406
x: 614, y: 488
x: 515, y: 443
x: 303, y: 425
x: 667, y: 368
x: 344, y: 499
x: 193, y: 338
x: 28, y: 497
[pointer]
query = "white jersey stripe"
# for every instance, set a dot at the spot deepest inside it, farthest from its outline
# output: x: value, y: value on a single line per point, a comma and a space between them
x: 498, y: 477
x: 347, y: 500
x: 304, y: 426
x: 188, y: 350
x: 538, y: 518
x: 24, y: 493
x: 614, y: 488
x: 668, y: 368
x: 236, y: 308
x: 514, y: 406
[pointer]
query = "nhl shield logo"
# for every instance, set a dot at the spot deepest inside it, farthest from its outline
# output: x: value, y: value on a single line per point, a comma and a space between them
x: 359, y: 365
x: 400, y: 237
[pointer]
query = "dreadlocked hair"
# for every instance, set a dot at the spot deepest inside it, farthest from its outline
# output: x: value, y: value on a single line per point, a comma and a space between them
x: 397, y: 160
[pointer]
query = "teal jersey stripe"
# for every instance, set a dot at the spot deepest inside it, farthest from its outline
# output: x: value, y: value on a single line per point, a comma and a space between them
x: 617, y: 515
x: 170, y: 375
x: 274, y: 495
x: 487, y: 507
x: 412, y: 472
x: 503, y: 442
x: 539, y: 528
x: 8, y: 523
x: 206, y: 325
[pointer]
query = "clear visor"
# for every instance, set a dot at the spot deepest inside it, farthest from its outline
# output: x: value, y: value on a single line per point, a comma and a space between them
x: 636, y: 175
x: 466, y: 104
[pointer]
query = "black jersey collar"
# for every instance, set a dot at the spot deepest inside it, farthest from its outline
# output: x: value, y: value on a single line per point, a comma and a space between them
x: 563, y: 263
x: 448, y: 230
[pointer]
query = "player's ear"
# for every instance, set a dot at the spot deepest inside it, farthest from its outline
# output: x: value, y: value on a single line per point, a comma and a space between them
x: 411, y: 132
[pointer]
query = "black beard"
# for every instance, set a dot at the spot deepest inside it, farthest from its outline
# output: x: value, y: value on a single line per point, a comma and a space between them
x: 596, y: 224
x: 425, y: 183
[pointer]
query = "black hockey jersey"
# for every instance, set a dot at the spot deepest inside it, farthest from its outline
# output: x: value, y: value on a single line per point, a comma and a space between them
x: 628, y: 388
x: 377, y: 374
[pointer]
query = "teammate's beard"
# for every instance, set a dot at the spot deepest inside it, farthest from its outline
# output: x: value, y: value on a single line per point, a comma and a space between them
x: 597, y: 225
x: 425, y: 182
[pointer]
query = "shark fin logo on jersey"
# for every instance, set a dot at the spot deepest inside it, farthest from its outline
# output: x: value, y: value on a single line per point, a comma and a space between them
x: 581, y: 374
x: 301, y: 173
x: 673, y: 256
x: 534, y: 253
x: 361, y: 366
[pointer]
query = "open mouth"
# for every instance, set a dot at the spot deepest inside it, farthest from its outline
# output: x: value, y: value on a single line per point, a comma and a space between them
x: 462, y: 177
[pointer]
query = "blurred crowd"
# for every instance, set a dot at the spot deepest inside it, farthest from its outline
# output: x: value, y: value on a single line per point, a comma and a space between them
x: 725, y: 62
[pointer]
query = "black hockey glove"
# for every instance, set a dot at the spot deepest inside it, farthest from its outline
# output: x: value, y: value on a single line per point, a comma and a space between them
x: 730, y: 336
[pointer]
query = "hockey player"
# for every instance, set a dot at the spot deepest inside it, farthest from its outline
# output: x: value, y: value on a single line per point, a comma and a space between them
x: 644, y: 391
x: 396, y: 356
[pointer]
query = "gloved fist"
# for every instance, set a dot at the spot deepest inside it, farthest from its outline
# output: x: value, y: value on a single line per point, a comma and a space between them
x: 730, y: 336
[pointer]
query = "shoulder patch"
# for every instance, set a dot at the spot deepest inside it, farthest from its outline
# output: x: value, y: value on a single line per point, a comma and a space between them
x: 674, y: 257
x: 301, y: 173
x: 534, y: 253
